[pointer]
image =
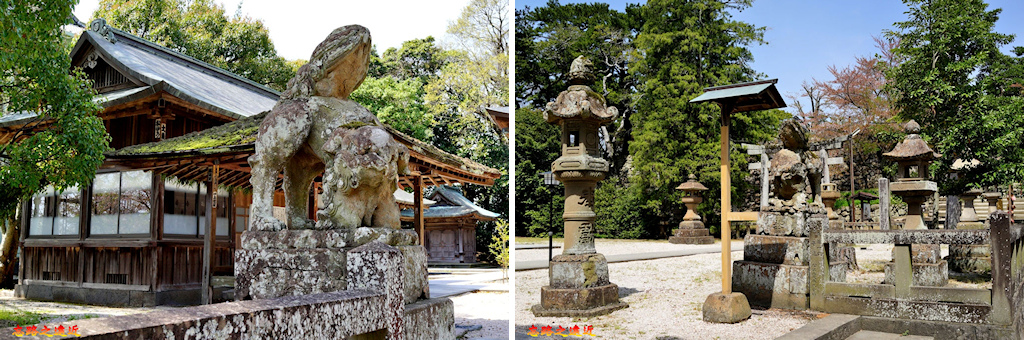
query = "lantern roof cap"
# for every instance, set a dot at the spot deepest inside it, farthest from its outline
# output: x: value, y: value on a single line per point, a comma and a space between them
x: 912, y: 147
x: 692, y: 185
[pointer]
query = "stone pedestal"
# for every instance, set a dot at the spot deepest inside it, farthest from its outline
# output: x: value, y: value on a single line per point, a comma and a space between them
x: 774, y: 271
x: 928, y: 266
x: 579, y: 288
x: 273, y: 264
x: 841, y: 252
x: 970, y: 258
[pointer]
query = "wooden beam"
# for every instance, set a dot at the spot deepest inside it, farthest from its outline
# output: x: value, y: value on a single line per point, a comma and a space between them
x: 417, y: 192
x: 211, y: 236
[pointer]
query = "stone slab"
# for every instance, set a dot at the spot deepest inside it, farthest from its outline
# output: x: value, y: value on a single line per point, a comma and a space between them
x: 585, y: 302
x: 796, y: 223
x: 691, y: 240
x: 295, y: 239
x: 691, y: 233
x: 925, y: 274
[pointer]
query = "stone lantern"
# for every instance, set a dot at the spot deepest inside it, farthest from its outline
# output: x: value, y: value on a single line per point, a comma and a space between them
x: 691, y: 229
x: 579, y: 285
x: 829, y: 196
x: 992, y: 197
x: 913, y: 156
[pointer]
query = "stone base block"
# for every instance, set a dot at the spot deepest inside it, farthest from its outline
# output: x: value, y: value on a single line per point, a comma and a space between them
x: 975, y: 259
x: 726, y: 308
x: 690, y: 234
x: 925, y: 274
x: 272, y: 273
x: 430, y: 319
x: 691, y: 240
x: 778, y: 285
x: 579, y: 303
x: 691, y: 225
x: 578, y: 271
x: 776, y: 249
x: 414, y: 273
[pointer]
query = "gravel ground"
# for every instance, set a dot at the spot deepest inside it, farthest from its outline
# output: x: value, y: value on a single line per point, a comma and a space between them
x: 486, y: 309
x: 665, y: 298
x: 611, y: 247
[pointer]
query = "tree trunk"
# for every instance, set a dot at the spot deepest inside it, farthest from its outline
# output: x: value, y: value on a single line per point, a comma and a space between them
x: 8, y: 252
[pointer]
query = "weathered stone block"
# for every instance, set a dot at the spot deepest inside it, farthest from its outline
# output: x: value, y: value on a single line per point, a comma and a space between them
x: 726, y: 308
x: 430, y: 319
x: 414, y: 272
x: 582, y: 302
x: 389, y: 236
x: 776, y: 249
x: 778, y: 285
x: 378, y: 266
x: 786, y: 223
x: 925, y: 274
x: 578, y: 271
x: 270, y: 273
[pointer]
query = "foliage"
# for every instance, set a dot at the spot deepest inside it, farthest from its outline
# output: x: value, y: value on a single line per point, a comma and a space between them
x: 537, y: 146
x: 418, y: 58
x: 499, y: 245
x: 474, y: 77
x: 548, y: 38
x: 35, y: 78
x: 11, y: 318
x: 677, y: 59
x: 201, y: 29
x: 396, y: 102
x: 617, y: 211
x: 942, y: 46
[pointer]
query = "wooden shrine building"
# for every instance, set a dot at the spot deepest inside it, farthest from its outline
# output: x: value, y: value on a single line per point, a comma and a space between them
x: 451, y: 226
x: 178, y: 127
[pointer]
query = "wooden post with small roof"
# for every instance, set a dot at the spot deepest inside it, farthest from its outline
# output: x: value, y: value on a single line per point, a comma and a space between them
x: 727, y: 306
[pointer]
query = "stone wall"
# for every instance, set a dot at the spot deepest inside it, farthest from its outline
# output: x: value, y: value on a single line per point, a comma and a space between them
x: 372, y: 308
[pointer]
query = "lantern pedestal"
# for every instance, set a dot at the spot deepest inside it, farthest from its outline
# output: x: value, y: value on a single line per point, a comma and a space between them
x: 579, y: 288
x: 691, y: 229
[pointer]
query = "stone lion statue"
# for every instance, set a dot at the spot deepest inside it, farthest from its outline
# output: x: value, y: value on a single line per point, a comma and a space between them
x: 316, y: 129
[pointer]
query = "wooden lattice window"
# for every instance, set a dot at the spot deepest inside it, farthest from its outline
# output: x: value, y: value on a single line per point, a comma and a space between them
x: 117, y: 278
x: 52, y: 276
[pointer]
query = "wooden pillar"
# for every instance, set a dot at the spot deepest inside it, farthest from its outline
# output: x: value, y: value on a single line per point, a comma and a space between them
x: 726, y: 204
x: 417, y: 194
x: 211, y: 235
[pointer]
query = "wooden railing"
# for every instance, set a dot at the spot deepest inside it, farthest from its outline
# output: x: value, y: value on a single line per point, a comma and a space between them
x: 1000, y: 305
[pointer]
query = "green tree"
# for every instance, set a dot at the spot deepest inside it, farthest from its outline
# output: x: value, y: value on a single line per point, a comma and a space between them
x: 418, y: 58
x: 475, y: 77
x: 201, y: 29
x: 548, y: 38
x: 35, y: 78
x: 943, y: 45
x: 683, y: 47
x: 537, y: 145
x: 398, y: 103
x: 499, y: 246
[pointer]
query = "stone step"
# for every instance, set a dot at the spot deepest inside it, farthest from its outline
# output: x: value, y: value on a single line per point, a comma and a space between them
x: 872, y: 335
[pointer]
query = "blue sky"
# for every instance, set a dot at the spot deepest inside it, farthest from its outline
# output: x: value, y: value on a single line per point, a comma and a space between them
x: 806, y: 37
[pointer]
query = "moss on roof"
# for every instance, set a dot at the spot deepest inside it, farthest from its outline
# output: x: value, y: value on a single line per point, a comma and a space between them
x: 212, y: 140
x: 244, y: 132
